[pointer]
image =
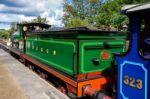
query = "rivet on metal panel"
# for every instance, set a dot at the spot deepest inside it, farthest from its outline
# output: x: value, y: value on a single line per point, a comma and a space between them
x: 47, y: 51
x: 41, y: 49
x: 54, y: 52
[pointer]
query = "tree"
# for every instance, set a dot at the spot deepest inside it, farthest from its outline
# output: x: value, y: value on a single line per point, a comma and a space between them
x: 97, y: 13
x: 4, y: 34
x: 110, y: 15
x: 39, y: 19
x: 77, y: 22
x: 84, y: 10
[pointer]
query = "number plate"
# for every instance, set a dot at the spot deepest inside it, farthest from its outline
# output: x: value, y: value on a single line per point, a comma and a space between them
x: 133, y: 80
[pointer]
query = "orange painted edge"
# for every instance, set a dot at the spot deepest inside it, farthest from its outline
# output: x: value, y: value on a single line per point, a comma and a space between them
x: 96, y: 85
x: 94, y: 74
x: 88, y: 75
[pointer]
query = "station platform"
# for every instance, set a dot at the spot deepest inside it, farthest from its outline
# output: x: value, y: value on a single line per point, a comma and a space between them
x: 18, y: 82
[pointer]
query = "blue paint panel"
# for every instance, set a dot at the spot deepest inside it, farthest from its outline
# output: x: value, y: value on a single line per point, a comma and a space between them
x: 133, y: 65
x: 137, y: 71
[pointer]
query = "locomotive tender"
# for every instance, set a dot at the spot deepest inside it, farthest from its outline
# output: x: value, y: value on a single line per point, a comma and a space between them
x: 79, y: 57
x: 134, y: 66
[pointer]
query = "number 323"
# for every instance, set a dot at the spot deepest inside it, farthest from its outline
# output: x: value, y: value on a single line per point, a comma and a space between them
x: 131, y: 81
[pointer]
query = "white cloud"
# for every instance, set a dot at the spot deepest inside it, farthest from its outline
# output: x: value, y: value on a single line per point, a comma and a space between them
x: 15, y: 18
x: 26, y: 10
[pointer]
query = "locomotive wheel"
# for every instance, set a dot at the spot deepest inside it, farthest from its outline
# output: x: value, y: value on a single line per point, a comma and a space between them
x: 42, y: 75
x: 62, y: 89
x: 101, y: 96
x: 72, y: 96
x: 31, y: 67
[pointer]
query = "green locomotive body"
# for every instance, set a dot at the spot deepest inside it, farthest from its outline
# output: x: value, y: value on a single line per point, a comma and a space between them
x: 75, y: 51
x: 81, y: 60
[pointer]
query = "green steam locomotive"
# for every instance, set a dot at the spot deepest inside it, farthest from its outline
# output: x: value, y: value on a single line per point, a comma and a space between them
x: 81, y: 58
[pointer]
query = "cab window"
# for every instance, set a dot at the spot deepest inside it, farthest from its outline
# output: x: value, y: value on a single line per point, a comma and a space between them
x: 144, y: 37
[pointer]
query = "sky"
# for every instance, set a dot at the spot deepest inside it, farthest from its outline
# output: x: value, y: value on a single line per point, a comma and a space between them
x: 26, y: 10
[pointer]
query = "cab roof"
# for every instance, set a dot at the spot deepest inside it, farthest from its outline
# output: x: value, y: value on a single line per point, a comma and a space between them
x: 136, y: 8
x: 35, y: 24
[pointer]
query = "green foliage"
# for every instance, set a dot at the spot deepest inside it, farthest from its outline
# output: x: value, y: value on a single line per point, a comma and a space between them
x: 39, y: 19
x: 84, y: 10
x: 96, y: 13
x: 77, y: 22
x: 110, y: 15
x: 4, y: 34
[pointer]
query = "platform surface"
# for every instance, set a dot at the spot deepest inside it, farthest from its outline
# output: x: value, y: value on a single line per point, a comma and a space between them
x: 18, y: 82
